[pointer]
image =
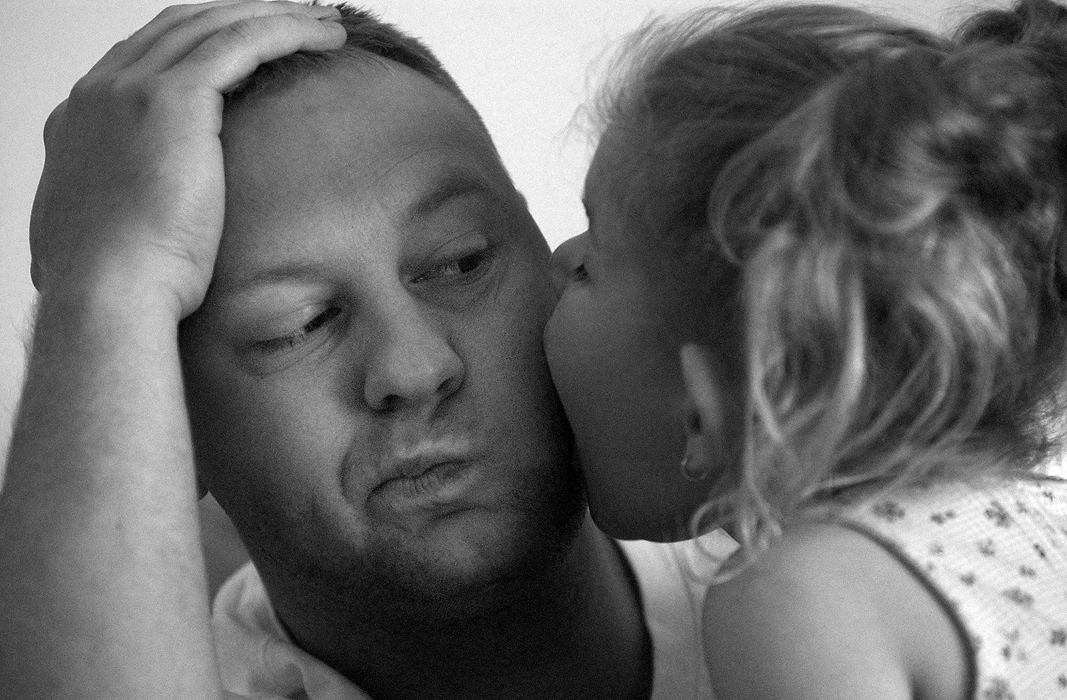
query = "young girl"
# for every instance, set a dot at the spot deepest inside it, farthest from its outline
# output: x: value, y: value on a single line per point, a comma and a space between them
x: 825, y: 274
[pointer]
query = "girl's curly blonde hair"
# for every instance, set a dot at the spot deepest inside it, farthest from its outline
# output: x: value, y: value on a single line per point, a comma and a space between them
x: 892, y: 204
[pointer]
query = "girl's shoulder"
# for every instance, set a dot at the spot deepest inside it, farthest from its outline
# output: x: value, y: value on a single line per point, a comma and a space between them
x: 828, y: 613
x: 970, y: 540
x: 993, y: 553
x: 995, y: 498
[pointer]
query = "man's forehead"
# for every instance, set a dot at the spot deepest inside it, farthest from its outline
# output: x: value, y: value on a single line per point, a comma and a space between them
x: 353, y: 94
x: 362, y: 121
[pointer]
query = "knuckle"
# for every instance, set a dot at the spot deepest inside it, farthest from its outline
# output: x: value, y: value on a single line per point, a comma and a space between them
x: 121, y: 45
x: 150, y: 95
x: 297, y: 23
x: 123, y: 97
x: 172, y: 12
x: 51, y: 124
x: 94, y: 89
x: 85, y: 86
x: 242, y: 31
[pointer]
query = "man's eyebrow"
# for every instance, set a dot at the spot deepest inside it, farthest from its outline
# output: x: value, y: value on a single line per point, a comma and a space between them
x: 452, y: 186
x: 278, y: 273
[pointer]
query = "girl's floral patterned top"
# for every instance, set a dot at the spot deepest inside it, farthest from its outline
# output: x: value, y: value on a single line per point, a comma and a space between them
x: 995, y: 551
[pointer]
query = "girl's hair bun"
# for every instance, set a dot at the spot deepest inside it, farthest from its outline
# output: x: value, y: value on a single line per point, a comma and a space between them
x: 1025, y: 52
x: 1028, y: 22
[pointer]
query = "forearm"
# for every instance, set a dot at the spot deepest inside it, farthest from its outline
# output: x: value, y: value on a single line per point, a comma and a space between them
x: 102, y: 589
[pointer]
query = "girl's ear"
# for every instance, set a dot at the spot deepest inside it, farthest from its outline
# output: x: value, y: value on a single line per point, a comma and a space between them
x: 703, y: 413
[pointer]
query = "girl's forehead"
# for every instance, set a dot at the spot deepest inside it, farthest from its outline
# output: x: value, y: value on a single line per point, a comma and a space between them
x: 606, y: 191
x: 614, y: 152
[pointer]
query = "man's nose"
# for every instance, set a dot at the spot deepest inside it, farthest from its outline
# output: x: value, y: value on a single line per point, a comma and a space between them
x: 565, y: 258
x: 411, y: 363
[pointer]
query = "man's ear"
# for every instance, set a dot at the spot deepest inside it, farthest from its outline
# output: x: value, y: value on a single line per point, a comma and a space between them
x: 703, y: 413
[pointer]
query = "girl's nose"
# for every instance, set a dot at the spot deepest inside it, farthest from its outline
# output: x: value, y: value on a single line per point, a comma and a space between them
x: 565, y: 259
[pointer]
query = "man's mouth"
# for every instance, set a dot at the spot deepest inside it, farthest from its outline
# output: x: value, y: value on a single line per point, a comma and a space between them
x: 426, y: 475
x: 421, y: 479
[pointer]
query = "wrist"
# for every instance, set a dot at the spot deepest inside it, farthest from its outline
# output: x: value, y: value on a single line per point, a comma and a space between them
x: 97, y: 319
x: 116, y: 296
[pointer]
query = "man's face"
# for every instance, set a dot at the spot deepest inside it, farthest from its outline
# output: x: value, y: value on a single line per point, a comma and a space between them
x: 368, y: 394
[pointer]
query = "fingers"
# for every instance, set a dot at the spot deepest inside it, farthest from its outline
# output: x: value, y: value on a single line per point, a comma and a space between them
x: 175, y: 31
x: 231, y: 54
x: 180, y: 40
x: 223, y: 40
x: 126, y: 52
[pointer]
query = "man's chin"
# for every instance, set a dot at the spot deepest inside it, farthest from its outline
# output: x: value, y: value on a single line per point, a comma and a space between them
x: 488, y: 545
x: 466, y: 565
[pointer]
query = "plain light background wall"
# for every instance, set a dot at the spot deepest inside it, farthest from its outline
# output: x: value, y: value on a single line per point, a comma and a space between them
x: 524, y: 65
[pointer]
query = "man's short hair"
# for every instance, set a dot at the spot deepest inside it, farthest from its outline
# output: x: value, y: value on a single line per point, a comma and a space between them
x: 369, y: 39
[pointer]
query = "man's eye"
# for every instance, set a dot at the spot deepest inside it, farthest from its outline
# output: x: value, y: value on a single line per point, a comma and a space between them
x: 298, y: 337
x: 459, y: 267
